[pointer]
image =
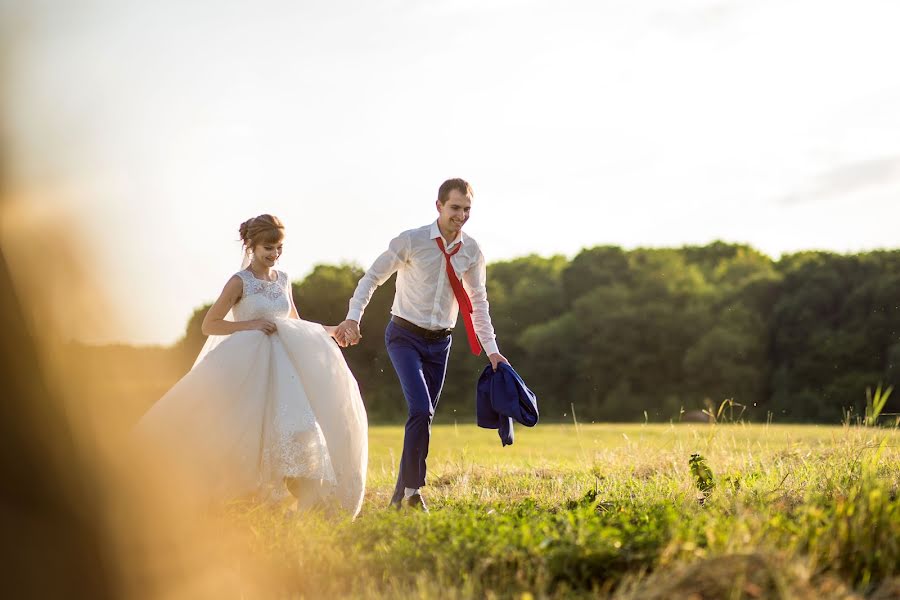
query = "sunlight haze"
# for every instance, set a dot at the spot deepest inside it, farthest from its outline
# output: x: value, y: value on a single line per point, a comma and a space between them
x: 155, y: 129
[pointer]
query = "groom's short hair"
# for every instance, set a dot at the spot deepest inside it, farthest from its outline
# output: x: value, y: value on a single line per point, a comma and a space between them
x: 454, y: 184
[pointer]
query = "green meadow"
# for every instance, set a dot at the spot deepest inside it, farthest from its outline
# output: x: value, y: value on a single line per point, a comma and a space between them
x: 602, y: 510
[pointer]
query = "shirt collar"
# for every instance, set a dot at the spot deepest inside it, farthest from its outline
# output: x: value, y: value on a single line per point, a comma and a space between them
x: 436, y: 233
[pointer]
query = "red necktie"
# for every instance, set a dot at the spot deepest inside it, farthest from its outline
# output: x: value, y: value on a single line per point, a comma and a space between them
x: 462, y: 298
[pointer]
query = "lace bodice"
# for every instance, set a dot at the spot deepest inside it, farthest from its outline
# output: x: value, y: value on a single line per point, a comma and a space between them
x: 263, y: 299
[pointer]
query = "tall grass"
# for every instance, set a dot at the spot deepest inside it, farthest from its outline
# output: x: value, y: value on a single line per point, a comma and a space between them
x: 610, y: 510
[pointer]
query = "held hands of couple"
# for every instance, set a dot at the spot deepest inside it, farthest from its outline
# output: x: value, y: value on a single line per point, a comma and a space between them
x: 347, y: 333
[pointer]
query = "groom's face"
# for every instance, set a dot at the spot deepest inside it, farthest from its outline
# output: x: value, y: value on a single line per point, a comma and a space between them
x: 454, y: 213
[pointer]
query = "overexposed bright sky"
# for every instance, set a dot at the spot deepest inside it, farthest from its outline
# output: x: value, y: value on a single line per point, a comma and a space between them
x: 157, y: 127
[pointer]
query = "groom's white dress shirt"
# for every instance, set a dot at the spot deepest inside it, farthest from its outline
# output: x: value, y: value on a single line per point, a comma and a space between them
x: 424, y: 295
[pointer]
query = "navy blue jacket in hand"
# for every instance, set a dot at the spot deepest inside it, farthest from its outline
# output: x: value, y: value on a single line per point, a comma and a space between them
x: 502, y: 396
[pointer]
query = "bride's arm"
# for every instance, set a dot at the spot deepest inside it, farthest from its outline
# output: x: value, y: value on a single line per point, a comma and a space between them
x: 329, y: 329
x: 294, y: 314
x: 214, y: 322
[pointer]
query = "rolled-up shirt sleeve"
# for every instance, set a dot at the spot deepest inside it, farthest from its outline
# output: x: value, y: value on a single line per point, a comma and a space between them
x: 380, y: 271
x: 475, y: 281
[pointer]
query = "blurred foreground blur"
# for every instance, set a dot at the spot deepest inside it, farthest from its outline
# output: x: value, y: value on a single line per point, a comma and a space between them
x: 83, y: 514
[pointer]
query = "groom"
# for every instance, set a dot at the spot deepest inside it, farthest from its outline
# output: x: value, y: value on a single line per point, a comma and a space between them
x: 429, y: 262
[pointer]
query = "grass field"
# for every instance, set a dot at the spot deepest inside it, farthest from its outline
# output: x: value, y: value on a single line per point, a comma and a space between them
x: 611, y: 511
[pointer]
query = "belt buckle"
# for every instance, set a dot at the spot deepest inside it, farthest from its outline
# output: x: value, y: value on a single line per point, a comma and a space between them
x: 437, y: 334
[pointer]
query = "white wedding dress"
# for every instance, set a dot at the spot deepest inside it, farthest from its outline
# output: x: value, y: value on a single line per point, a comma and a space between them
x: 256, y: 409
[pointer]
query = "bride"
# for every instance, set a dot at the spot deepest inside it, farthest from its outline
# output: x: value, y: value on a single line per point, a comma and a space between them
x: 270, y: 406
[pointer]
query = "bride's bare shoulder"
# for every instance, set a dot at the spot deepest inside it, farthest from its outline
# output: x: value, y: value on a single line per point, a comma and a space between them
x: 234, y: 285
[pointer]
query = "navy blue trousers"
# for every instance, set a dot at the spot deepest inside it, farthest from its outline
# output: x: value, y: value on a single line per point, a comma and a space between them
x: 421, y: 366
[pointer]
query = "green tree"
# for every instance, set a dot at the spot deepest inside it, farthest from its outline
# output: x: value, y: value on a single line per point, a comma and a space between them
x: 620, y: 332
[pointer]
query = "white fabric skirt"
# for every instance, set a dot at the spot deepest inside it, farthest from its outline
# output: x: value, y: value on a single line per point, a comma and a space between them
x: 258, y: 409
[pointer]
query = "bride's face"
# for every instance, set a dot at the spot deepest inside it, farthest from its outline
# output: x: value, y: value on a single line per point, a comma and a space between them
x: 266, y: 255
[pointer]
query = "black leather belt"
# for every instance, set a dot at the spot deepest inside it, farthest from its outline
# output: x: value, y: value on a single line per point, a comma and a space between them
x: 428, y: 334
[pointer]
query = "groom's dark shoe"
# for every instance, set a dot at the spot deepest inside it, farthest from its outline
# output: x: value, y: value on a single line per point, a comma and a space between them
x: 416, y: 502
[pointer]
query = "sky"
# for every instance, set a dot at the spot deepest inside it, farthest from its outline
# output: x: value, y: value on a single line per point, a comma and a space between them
x: 155, y: 129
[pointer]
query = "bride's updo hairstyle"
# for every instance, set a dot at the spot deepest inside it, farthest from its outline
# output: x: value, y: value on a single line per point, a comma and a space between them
x: 264, y: 229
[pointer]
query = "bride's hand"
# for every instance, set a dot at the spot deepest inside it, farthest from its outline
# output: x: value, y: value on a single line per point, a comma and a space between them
x: 330, y: 330
x: 264, y: 325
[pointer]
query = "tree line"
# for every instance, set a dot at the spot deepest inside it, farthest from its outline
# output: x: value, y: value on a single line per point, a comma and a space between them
x: 651, y: 333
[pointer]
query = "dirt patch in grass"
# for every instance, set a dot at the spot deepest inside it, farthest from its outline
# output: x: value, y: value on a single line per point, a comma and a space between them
x: 741, y: 576
x: 888, y: 590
